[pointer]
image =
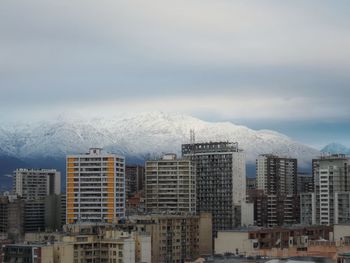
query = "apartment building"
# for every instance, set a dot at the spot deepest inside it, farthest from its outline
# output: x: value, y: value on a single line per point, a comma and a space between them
x: 330, y: 200
x: 85, y: 242
x: 277, y: 178
x: 255, y: 241
x: 305, y: 183
x: 220, y: 179
x: 34, y: 186
x: 95, y: 187
x: 27, y: 253
x: 135, y: 179
x: 170, y: 185
x: 177, y: 238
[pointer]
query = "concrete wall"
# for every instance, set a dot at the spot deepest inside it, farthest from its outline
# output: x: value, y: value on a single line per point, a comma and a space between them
x: 47, y: 254
x: 145, y: 248
x: 341, y: 231
x: 63, y: 253
x: 205, y: 234
x: 247, y: 214
x: 129, y: 251
x: 230, y: 241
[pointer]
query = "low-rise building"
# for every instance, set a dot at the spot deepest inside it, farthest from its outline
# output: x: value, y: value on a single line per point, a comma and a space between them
x: 87, y: 242
x: 27, y: 253
x: 253, y: 241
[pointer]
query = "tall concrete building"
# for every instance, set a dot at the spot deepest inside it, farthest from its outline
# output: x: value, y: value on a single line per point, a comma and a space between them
x: 95, y: 187
x: 177, y: 238
x: 305, y: 183
x: 134, y: 179
x: 170, y: 185
x: 277, y: 178
x: 34, y: 186
x: 221, y: 180
x: 11, y: 217
x: 331, y: 198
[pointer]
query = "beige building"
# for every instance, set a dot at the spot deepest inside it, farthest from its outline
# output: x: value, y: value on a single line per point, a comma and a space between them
x: 96, y: 243
x: 176, y: 238
x: 170, y: 185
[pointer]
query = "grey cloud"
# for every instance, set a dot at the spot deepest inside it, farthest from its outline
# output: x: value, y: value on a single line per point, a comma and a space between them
x: 63, y: 52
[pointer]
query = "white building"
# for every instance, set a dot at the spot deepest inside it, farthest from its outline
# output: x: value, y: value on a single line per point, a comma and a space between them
x: 95, y: 187
x: 332, y: 185
x: 330, y: 202
x: 33, y: 184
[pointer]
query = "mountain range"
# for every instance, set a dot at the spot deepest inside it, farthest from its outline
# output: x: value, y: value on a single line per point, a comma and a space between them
x: 136, y: 136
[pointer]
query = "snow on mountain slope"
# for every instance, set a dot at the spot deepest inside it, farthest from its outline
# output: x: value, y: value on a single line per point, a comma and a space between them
x: 139, y: 135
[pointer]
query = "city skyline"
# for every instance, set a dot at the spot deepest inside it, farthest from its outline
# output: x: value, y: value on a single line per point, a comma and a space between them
x: 282, y: 66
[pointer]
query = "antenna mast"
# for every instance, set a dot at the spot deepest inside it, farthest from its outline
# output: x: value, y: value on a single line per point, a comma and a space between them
x: 192, y: 136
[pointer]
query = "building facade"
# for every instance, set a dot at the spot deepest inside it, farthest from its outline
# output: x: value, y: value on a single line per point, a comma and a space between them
x: 170, y: 185
x: 177, y: 238
x: 95, y: 187
x: 331, y: 177
x: 305, y: 183
x: 34, y: 186
x: 330, y: 200
x: 220, y: 178
x: 135, y: 179
x: 254, y: 241
x: 277, y: 179
x: 12, y: 217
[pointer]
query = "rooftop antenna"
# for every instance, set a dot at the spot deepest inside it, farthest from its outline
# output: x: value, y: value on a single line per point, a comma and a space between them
x: 192, y: 136
x: 192, y: 141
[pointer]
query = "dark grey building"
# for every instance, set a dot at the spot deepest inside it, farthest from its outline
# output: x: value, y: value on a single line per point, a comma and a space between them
x: 305, y: 183
x: 12, y: 217
x: 134, y: 179
x: 220, y: 179
x: 277, y: 177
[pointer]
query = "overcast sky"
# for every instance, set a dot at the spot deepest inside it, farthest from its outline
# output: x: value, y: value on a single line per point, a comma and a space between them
x: 283, y: 65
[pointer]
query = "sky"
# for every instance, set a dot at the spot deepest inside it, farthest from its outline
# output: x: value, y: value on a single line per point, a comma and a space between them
x: 281, y: 65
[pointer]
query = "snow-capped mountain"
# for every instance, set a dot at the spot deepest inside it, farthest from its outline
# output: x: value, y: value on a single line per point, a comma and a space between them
x: 139, y: 135
x: 334, y: 148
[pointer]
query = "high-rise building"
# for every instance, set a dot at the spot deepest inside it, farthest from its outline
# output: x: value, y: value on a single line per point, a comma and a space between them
x: 251, y: 183
x: 95, y: 187
x: 177, y: 238
x: 134, y: 179
x: 305, y: 183
x: 170, y: 185
x: 34, y: 186
x: 220, y: 178
x: 331, y: 197
x: 276, y: 175
x: 277, y: 178
x: 55, y: 212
